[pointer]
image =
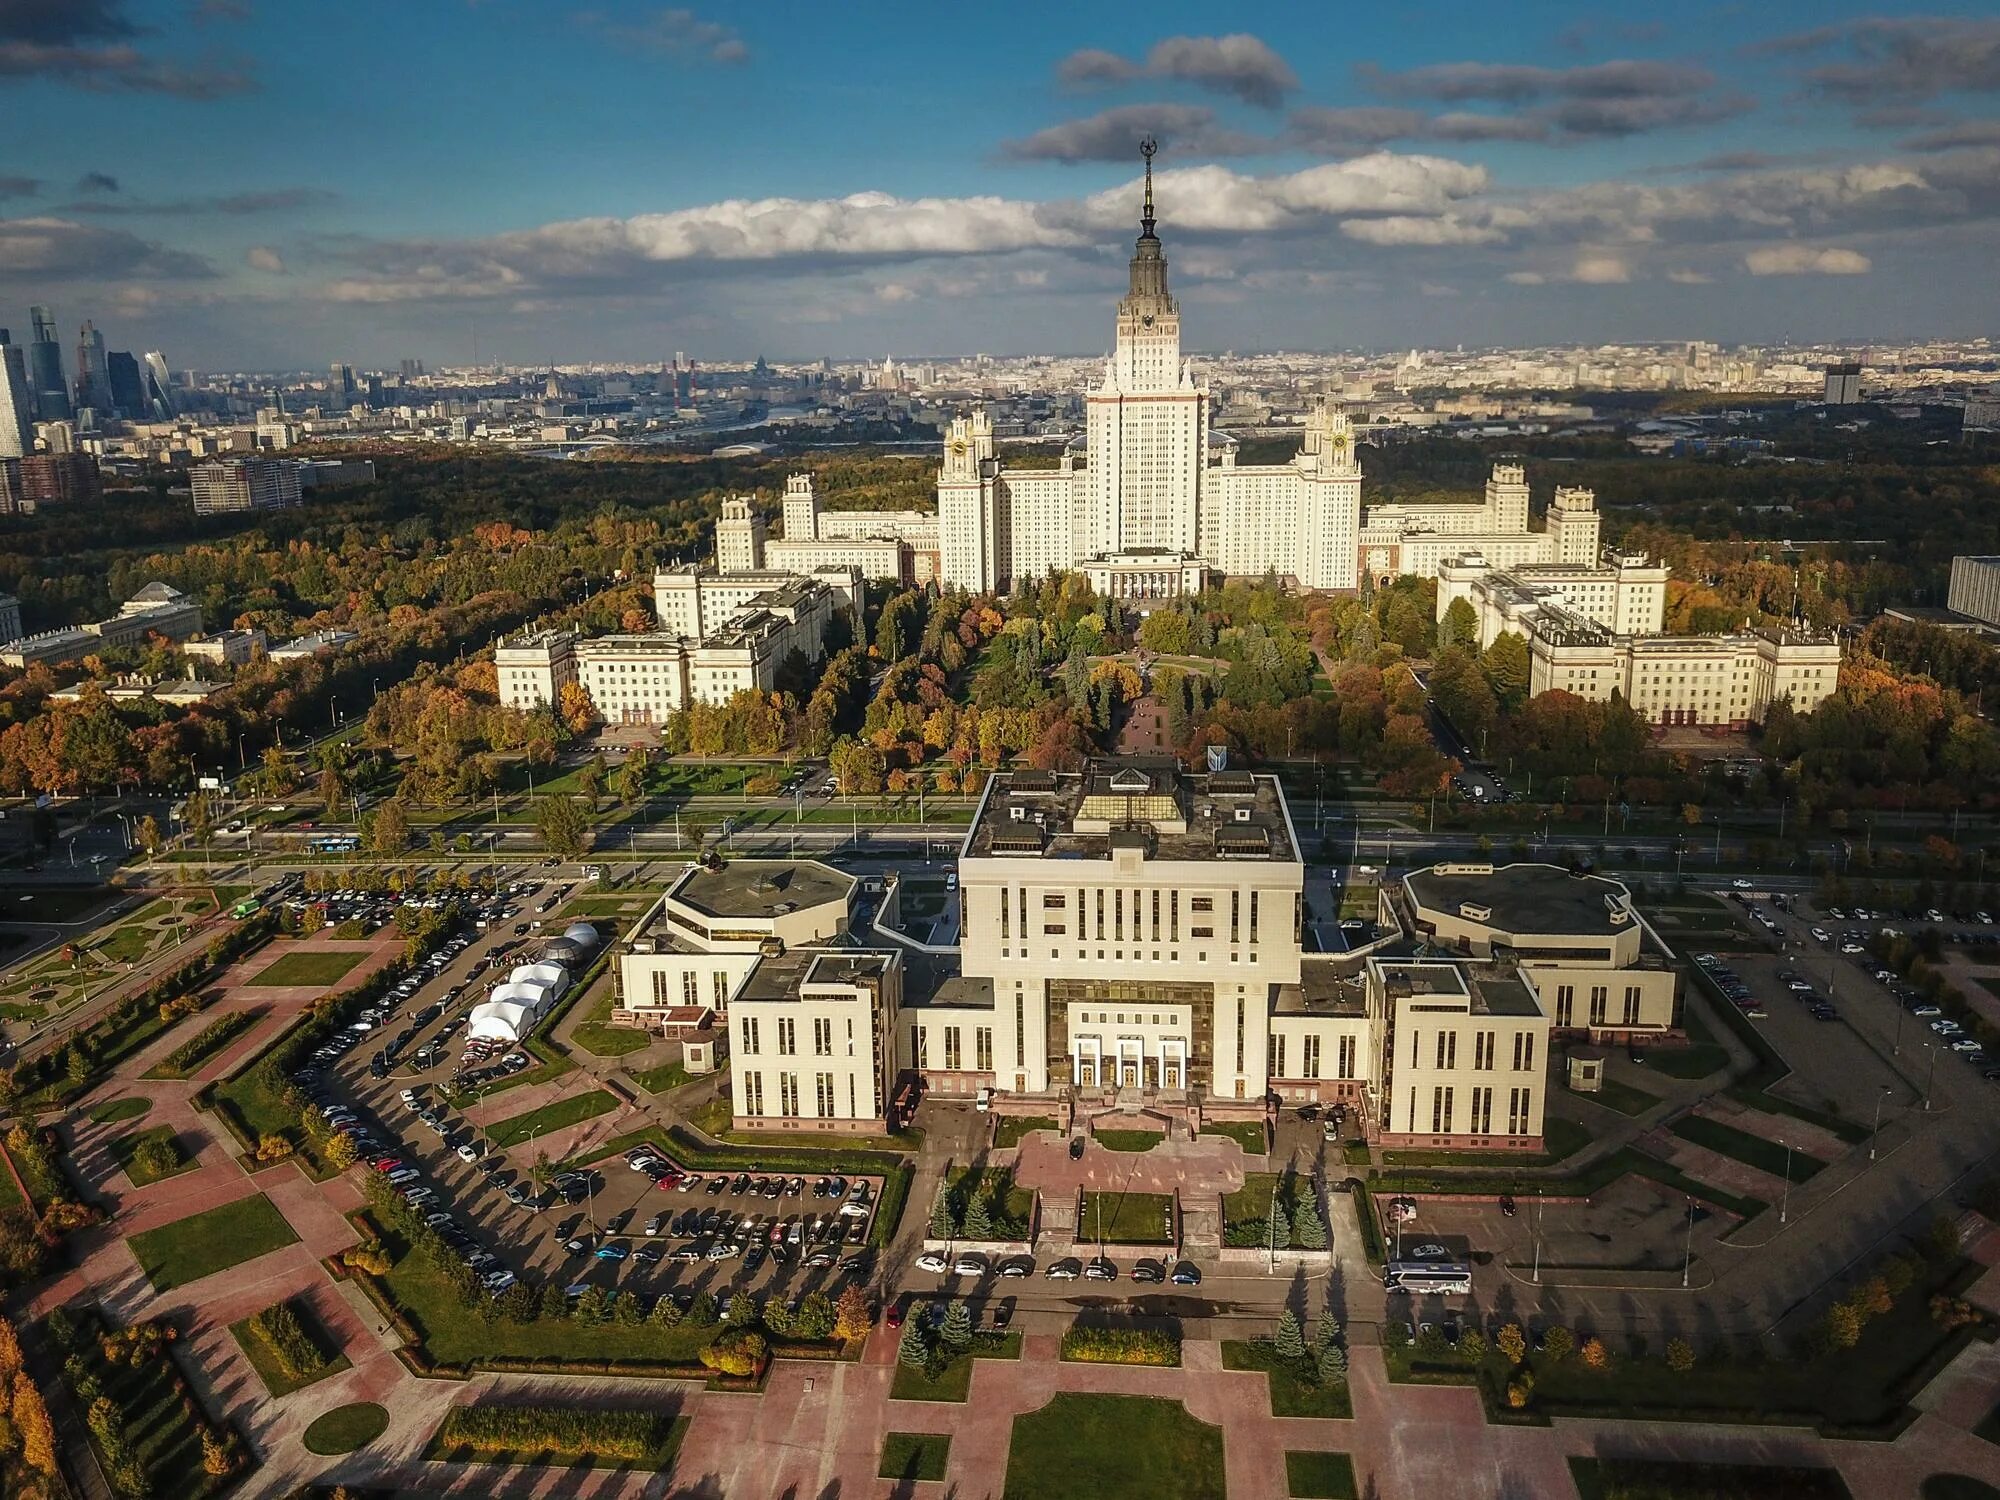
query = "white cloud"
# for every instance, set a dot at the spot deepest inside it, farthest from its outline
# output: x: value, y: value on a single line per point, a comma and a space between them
x: 1689, y: 278
x: 264, y: 258
x: 1804, y: 260
x: 1526, y: 278
x: 1600, y: 270
x: 1406, y: 229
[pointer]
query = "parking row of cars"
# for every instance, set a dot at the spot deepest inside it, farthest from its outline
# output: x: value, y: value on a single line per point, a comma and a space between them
x: 1069, y: 1268
x: 1951, y: 1035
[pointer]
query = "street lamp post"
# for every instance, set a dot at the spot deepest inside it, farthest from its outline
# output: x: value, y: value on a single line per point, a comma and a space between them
x: 1876, y: 1128
x: 1687, y: 1247
x: 1785, y: 1202
x: 1930, y: 1073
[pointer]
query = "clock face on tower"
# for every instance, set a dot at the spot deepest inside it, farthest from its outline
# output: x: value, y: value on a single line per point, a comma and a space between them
x: 958, y: 447
x: 1146, y: 319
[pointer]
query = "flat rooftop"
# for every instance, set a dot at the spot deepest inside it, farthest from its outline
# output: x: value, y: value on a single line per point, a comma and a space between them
x: 783, y: 976
x: 763, y: 888
x: 1524, y: 898
x: 1145, y: 802
x: 1482, y: 990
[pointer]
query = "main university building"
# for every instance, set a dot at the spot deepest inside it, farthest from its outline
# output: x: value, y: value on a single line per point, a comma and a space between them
x: 1136, y: 936
x: 1153, y: 505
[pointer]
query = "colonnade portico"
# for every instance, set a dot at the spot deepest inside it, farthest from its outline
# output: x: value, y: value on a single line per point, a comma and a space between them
x: 1129, y: 1062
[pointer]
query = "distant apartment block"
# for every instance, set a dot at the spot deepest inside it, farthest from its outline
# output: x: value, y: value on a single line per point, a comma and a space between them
x: 10, y: 618
x: 1843, y: 385
x: 1975, y: 589
x: 56, y: 479
x: 240, y: 484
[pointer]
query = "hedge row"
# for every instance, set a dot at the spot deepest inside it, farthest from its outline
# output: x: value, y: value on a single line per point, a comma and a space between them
x: 210, y: 1039
x: 1090, y: 1344
x: 297, y: 1352
x: 564, y: 1430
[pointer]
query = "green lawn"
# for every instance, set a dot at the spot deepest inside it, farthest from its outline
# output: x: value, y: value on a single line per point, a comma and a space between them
x: 1702, y: 1056
x: 1125, y: 1218
x: 112, y: 1111
x: 1623, y: 1097
x: 1249, y: 1134
x: 324, y: 967
x: 663, y: 1079
x: 954, y: 1376
x: 126, y: 1147
x: 597, y: 1036
x: 914, y: 1455
x: 1752, y: 1150
x: 346, y: 1428
x: 278, y: 1378
x: 1128, y: 1140
x: 202, y: 1244
x: 1320, y: 1476
x: 1008, y: 1130
x: 571, y: 1111
x: 1088, y: 1447
x: 1290, y: 1395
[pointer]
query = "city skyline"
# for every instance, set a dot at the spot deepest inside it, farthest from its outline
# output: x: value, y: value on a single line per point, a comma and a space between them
x: 774, y: 183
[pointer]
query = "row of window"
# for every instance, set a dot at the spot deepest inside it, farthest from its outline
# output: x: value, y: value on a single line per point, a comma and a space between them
x: 1485, y: 1050
x: 788, y: 1036
x: 1309, y: 1060
x: 826, y: 1103
x: 1600, y: 1005
x: 954, y: 1048
x: 1444, y: 1112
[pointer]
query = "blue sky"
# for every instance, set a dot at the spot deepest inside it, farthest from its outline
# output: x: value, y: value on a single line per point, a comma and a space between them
x: 252, y: 184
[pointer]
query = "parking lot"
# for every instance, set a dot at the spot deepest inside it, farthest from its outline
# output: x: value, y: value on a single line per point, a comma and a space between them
x: 637, y: 1222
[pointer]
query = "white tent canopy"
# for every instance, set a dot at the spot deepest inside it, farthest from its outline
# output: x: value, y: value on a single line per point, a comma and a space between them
x: 501, y: 1021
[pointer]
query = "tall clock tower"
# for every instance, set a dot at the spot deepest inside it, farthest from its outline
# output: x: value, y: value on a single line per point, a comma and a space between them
x: 1148, y: 420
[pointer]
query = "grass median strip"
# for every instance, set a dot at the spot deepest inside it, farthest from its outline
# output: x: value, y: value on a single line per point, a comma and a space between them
x: 1752, y: 1150
x: 204, y: 1243
x: 574, y: 1110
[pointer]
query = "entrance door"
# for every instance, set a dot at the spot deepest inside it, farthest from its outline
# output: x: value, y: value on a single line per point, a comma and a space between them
x: 1129, y: 1073
x: 1170, y: 1073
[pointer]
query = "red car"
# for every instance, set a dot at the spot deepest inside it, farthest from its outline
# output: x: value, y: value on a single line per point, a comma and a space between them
x: 388, y: 1163
x: 898, y: 1310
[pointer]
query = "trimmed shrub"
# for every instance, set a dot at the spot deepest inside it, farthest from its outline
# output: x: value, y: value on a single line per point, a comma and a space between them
x: 1120, y: 1346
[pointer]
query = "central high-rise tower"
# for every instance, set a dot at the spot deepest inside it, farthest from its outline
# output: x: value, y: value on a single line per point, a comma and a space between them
x: 1148, y: 420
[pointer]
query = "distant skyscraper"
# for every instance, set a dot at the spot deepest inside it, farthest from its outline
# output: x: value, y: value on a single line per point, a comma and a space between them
x: 340, y: 386
x: 93, y: 375
x: 17, y: 417
x: 159, y: 385
x: 128, y: 394
x: 45, y: 367
x: 413, y: 369
x: 1843, y: 385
